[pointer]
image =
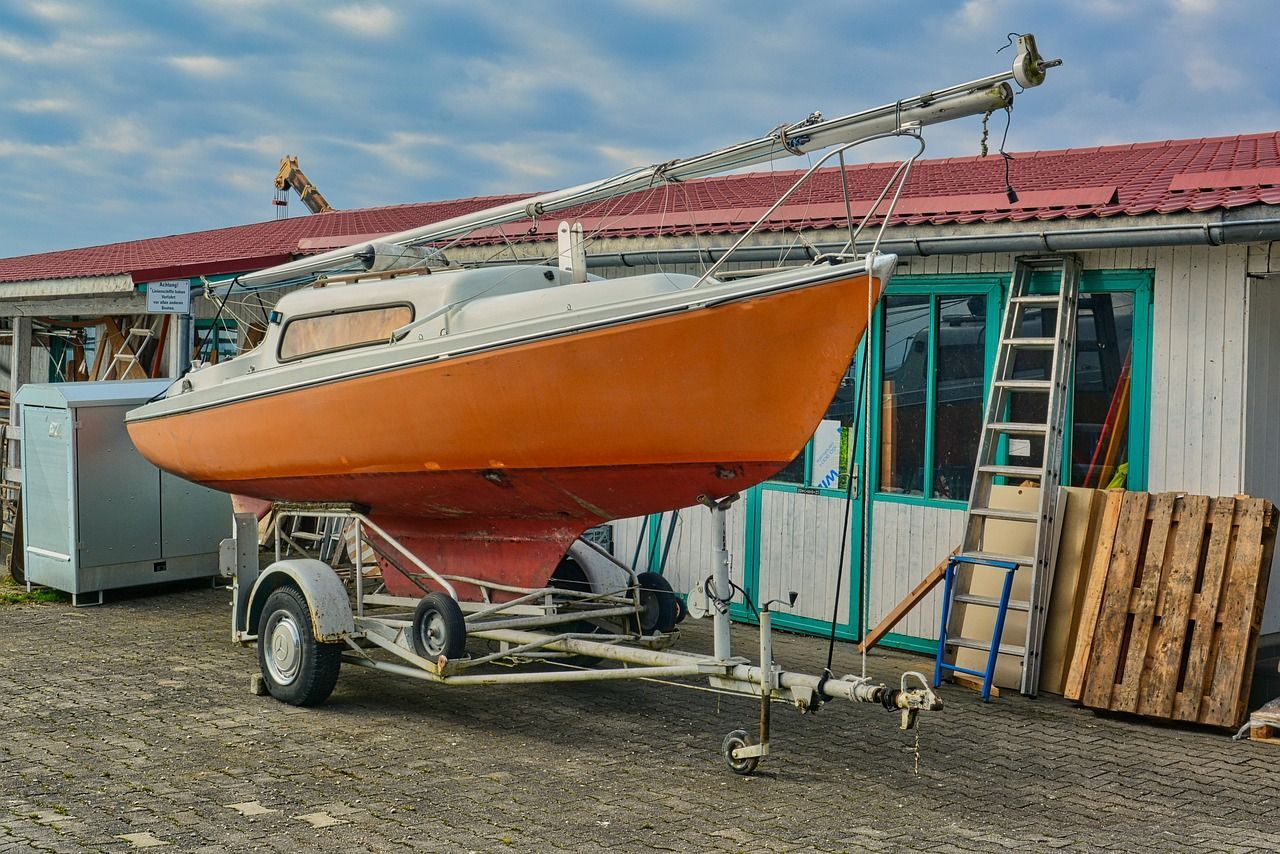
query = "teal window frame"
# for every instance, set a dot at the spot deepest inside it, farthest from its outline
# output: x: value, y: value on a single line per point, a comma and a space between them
x: 1139, y: 282
x: 991, y: 286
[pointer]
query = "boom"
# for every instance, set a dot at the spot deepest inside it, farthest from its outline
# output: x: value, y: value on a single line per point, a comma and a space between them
x: 811, y: 134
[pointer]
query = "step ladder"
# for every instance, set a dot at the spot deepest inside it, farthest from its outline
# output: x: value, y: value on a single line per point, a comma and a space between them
x: 126, y: 362
x: 998, y: 431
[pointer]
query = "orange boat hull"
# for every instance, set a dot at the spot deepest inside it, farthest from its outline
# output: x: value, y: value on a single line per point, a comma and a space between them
x: 489, y: 465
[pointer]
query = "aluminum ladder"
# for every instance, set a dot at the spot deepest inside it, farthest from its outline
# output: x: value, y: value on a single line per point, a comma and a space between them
x: 998, y: 430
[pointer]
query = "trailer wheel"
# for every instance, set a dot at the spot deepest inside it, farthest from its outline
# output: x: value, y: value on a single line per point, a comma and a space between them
x: 658, y: 606
x: 732, y: 741
x: 439, y: 627
x: 296, y: 668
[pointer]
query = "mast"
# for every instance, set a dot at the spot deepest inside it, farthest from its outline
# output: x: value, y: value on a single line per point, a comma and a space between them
x: 811, y: 134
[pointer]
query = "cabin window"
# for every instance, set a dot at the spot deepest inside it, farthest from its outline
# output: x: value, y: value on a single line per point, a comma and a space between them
x: 341, y: 330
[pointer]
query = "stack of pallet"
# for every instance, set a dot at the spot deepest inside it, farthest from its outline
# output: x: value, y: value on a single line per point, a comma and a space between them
x: 1171, y: 609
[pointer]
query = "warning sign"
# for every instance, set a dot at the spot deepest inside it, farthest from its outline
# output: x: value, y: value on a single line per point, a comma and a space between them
x: 172, y: 296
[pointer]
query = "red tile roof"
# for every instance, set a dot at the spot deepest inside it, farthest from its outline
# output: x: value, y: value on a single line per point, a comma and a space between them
x: 1156, y: 177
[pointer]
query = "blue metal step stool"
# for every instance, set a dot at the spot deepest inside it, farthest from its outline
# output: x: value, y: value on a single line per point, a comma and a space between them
x: 993, y: 649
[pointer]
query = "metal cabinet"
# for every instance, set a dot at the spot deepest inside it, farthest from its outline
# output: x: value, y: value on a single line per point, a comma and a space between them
x: 95, y: 514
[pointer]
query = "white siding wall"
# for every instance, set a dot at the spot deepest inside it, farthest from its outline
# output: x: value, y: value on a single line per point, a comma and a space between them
x: 800, y: 551
x: 909, y: 541
x: 625, y: 534
x: 1262, y: 399
x: 1198, y: 355
x: 690, y: 559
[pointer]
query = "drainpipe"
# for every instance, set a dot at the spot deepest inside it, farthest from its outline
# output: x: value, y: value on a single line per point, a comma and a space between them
x: 1051, y: 240
x: 180, y: 345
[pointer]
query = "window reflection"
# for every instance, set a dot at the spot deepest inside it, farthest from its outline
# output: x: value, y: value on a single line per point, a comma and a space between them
x: 905, y: 361
x: 1100, y: 407
x: 961, y: 363
x: 1100, y: 423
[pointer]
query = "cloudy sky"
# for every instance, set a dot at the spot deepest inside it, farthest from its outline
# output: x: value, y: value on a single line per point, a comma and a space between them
x: 128, y: 120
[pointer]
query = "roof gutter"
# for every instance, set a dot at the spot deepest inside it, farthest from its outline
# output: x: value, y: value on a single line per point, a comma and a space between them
x: 1051, y: 240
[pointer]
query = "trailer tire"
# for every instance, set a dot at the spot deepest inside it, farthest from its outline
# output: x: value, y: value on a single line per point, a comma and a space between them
x: 439, y: 627
x: 659, y: 611
x: 732, y: 741
x: 297, y: 669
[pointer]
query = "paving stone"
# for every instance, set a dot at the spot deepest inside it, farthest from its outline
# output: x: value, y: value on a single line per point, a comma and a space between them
x: 133, y: 722
x: 249, y: 808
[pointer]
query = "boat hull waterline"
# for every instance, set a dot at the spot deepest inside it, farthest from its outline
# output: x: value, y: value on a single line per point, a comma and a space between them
x: 489, y: 465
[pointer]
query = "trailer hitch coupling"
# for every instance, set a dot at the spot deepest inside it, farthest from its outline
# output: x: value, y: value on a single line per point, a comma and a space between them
x: 912, y: 701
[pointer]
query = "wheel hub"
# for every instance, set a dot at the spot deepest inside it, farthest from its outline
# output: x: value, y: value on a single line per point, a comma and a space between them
x: 433, y: 630
x: 285, y: 649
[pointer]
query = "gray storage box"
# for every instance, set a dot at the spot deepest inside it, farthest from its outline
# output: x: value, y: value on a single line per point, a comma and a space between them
x: 95, y: 514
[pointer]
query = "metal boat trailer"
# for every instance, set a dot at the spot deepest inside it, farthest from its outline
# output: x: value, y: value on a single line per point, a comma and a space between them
x: 321, y: 603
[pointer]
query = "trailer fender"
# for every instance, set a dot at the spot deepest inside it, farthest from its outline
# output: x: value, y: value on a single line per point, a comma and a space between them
x: 326, y: 595
x: 604, y: 572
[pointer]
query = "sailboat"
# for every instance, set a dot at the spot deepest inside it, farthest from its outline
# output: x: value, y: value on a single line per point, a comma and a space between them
x: 487, y: 417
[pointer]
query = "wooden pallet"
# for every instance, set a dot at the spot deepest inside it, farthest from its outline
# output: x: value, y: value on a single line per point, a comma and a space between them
x: 1264, y: 724
x: 1173, y: 607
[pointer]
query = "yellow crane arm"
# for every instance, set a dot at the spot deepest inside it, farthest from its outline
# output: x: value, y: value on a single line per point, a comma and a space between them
x: 292, y: 176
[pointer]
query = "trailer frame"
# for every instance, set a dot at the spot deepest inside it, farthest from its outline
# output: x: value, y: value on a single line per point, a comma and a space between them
x: 331, y: 573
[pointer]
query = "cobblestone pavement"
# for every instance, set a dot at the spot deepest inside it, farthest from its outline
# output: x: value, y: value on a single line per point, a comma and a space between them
x: 132, y: 725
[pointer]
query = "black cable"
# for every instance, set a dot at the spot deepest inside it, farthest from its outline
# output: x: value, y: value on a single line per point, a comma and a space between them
x: 848, y: 504
x: 1008, y: 158
x: 213, y: 327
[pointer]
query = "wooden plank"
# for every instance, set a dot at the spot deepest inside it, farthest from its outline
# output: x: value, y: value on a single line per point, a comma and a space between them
x: 1187, y: 704
x: 1091, y: 606
x: 1238, y: 616
x: 1125, y: 697
x: 1109, y: 633
x: 1175, y: 610
x: 1081, y: 511
x: 900, y: 610
x: 973, y: 683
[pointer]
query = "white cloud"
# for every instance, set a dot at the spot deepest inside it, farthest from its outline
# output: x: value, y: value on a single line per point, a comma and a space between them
x: 15, y: 149
x: 119, y: 136
x: 54, y: 11
x: 46, y: 105
x: 366, y: 20
x: 519, y: 162
x: 1196, y: 7
x: 624, y: 157
x: 983, y: 14
x: 202, y: 66
x: 404, y: 154
x: 13, y: 48
x: 1206, y: 73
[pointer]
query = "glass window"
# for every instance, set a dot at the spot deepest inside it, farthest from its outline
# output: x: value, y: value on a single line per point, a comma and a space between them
x: 323, y: 333
x: 959, y: 398
x: 904, y: 390
x: 1100, y: 408
x: 1099, y: 440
